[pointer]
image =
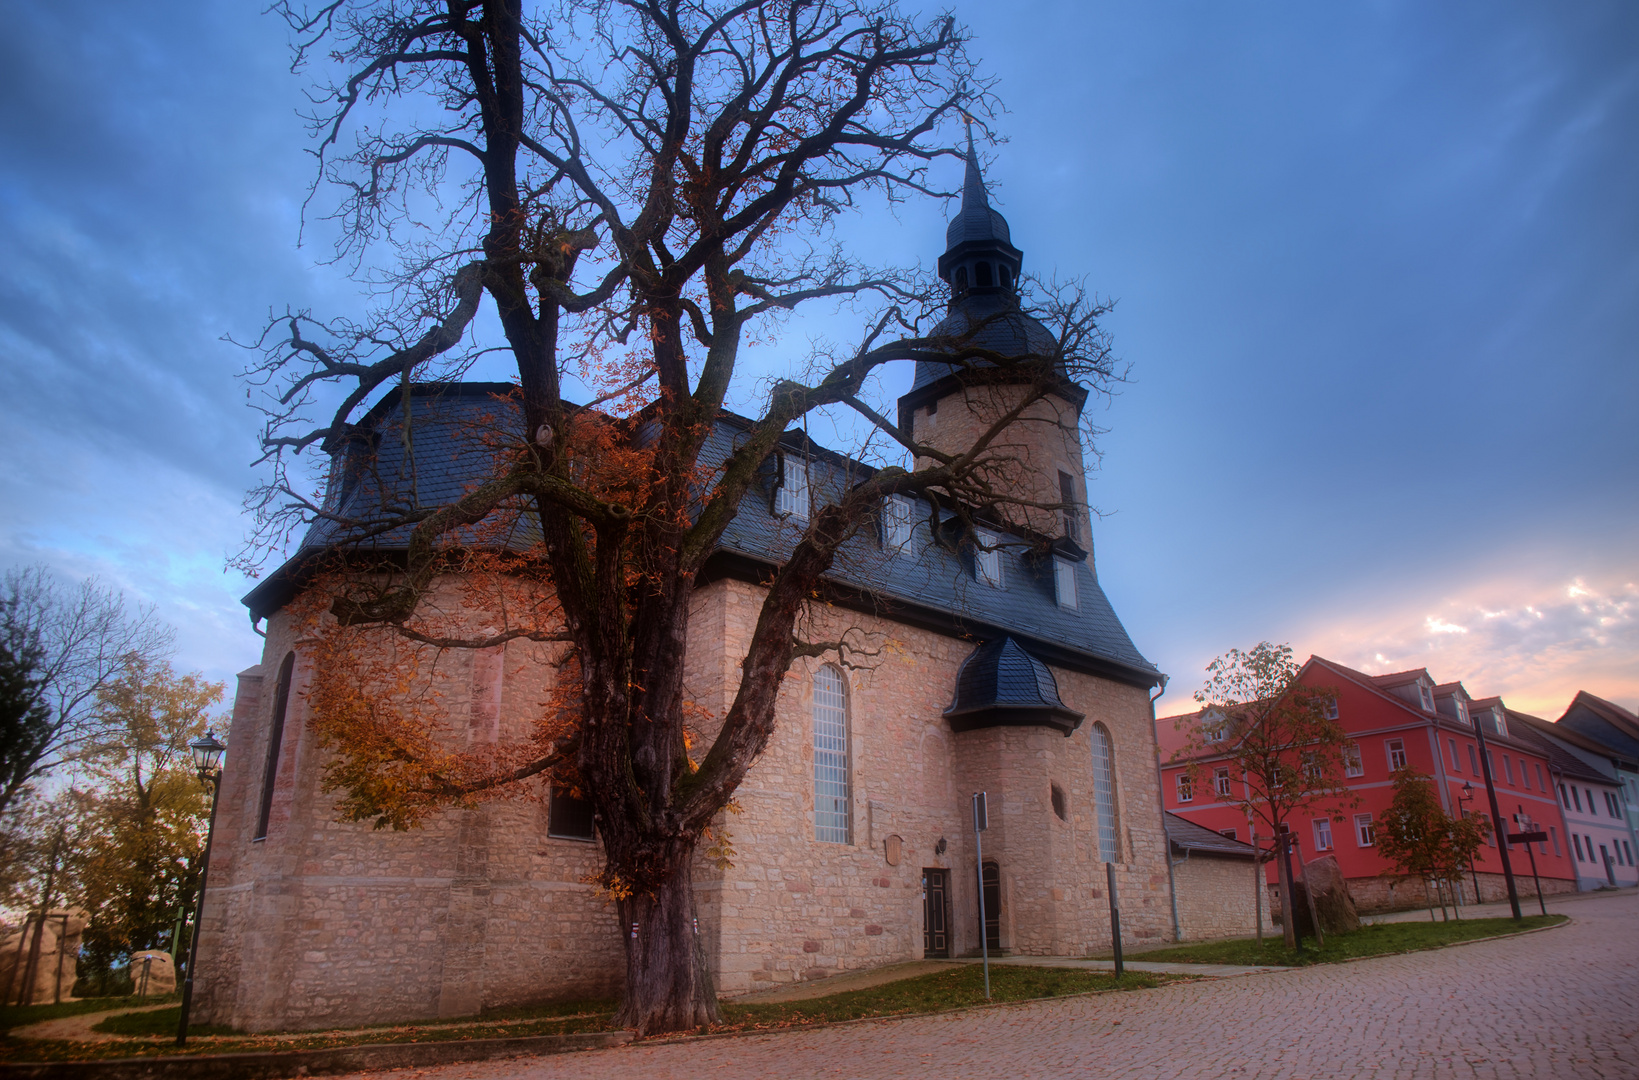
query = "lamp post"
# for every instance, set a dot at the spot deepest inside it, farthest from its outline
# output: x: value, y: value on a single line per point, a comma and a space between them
x: 207, y: 759
x: 1467, y: 796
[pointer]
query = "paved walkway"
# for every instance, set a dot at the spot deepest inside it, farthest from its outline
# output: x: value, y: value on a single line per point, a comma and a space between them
x: 1559, y: 1004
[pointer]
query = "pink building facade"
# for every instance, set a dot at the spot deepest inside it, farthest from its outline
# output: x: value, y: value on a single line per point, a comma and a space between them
x: 1396, y: 720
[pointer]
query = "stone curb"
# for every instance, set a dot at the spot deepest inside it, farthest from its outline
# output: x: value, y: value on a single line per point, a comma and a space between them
x: 278, y: 1064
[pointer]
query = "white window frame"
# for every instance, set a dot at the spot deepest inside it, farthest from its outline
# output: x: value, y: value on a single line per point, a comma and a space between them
x: 833, y: 764
x: 1330, y: 709
x: 1212, y: 728
x: 791, y: 497
x: 1425, y: 696
x: 1184, y: 788
x: 1395, y: 748
x: 1064, y: 584
x: 1354, y: 762
x: 1222, y: 783
x: 987, y: 565
x: 1502, y: 722
x: 1456, y: 765
x: 1364, y: 836
x: 898, y: 525
x: 1462, y: 710
x: 1323, y: 833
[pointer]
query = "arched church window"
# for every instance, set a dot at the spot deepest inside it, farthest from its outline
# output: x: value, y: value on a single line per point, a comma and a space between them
x: 275, y: 737
x: 982, y: 275
x: 1109, y: 848
x: 961, y: 277
x: 833, y: 816
x: 1001, y: 271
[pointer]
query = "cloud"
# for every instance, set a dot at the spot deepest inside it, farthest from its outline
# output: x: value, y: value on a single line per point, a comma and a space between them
x: 1535, y: 644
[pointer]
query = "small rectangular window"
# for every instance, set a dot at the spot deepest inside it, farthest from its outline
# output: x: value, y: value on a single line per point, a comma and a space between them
x: 1353, y: 764
x: 1397, y: 754
x: 1072, y: 510
x: 1323, y: 834
x: 1508, y: 768
x: 1553, y: 834
x: 1064, y: 583
x: 1186, y: 791
x: 987, y: 560
x: 1473, y: 762
x: 898, y: 521
x: 1330, y: 709
x: 1229, y: 833
x: 1628, y: 851
x: 568, y: 817
x: 1542, y: 779
x: 1220, y: 783
x: 1564, y: 798
x: 1363, y: 834
x: 1576, y: 841
x: 791, y: 498
x: 1576, y: 799
x: 1456, y: 766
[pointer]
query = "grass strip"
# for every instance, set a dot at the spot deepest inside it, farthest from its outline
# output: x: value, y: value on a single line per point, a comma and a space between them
x: 1381, y: 939
x: 933, y: 992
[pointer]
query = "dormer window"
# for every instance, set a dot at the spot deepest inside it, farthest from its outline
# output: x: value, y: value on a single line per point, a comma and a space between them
x: 1462, y: 710
x: 897, y: 523
x: 1502, y: 725
x: 1212, y: 728
x: 1426, y: 696
x: 987, y: 560
x: 791, y: 497
x: 1064, y: 583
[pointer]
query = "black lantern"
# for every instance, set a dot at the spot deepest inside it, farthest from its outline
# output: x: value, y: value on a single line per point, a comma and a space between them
x: 207, y: 754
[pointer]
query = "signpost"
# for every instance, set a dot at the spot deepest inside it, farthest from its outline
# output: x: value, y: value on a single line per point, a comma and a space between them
x: 981, y: 822
x: 1529, y: 834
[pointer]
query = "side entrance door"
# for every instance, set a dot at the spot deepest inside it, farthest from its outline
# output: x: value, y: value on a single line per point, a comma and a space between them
x: 935, y: 901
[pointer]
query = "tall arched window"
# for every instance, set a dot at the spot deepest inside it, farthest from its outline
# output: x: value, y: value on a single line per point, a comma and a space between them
x: 833, y: 816
x: 275, y: 736
x: 1109, y: 848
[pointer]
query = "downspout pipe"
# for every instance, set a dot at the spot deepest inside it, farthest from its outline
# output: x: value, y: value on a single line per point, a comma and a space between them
x: 1161, y: 806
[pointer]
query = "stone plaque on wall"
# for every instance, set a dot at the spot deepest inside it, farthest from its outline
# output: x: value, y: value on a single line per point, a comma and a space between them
x: 891, y: 848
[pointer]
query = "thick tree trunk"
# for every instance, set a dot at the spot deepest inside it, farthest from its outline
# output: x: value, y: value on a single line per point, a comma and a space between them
x: 668, y: 986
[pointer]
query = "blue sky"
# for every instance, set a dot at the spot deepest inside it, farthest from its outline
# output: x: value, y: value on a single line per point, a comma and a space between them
x: 1377, y: 272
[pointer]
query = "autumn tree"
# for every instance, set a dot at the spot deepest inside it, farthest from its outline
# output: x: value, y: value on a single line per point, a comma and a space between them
x: 1420, y: 838
x: 66, y: 643
x: 630, y: 191
x: 1277, y: 736
x: 139, y: 825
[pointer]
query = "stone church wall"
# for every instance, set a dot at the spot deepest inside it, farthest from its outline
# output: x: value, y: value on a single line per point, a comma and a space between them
x: 324, y: 923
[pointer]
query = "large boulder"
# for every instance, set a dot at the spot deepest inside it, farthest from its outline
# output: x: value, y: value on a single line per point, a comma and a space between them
x: 153, y: 974
x: 1324, y: 878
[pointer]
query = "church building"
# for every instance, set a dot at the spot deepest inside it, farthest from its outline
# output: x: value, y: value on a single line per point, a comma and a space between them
x: 854, y: 844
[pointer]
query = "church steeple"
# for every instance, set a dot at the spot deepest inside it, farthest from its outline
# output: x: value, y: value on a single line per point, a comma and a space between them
x: 979, y: 253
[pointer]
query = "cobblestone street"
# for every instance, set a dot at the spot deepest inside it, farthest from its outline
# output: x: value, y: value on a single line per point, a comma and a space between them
x: 1559, y: 1003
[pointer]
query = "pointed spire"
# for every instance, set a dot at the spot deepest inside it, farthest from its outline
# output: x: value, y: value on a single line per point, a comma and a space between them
x: 977, y: 235
x: 974, y: 195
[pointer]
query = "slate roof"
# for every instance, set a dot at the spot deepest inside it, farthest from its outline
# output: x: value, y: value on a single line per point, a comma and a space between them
x: 1002, y: 328
x: 975, y: 220
x: 1000, y: 682
x: 459, y: 431
x: 1540, y: 734
x: 1185, y: 835
x: 1605, y: 722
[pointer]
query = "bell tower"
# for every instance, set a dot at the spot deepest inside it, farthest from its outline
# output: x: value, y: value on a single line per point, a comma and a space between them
x: 1037, y: 460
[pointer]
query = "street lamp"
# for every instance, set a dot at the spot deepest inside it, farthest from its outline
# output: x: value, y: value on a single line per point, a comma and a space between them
x: 207, y: 758
x: 1467, y: 796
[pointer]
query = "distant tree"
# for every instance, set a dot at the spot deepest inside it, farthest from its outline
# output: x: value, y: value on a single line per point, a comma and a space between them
x: 139, y: 832
x: 634, y: 190
x: 74, y: 640
x: 1284, y: 752
x: 25, y: 715
x: 1420, y: 838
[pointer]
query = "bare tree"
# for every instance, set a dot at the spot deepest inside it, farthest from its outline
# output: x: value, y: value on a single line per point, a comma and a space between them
x: 635, y: 187
x: 78, y: 639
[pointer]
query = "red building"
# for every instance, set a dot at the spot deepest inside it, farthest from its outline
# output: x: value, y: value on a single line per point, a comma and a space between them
x: 1394, y: 720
